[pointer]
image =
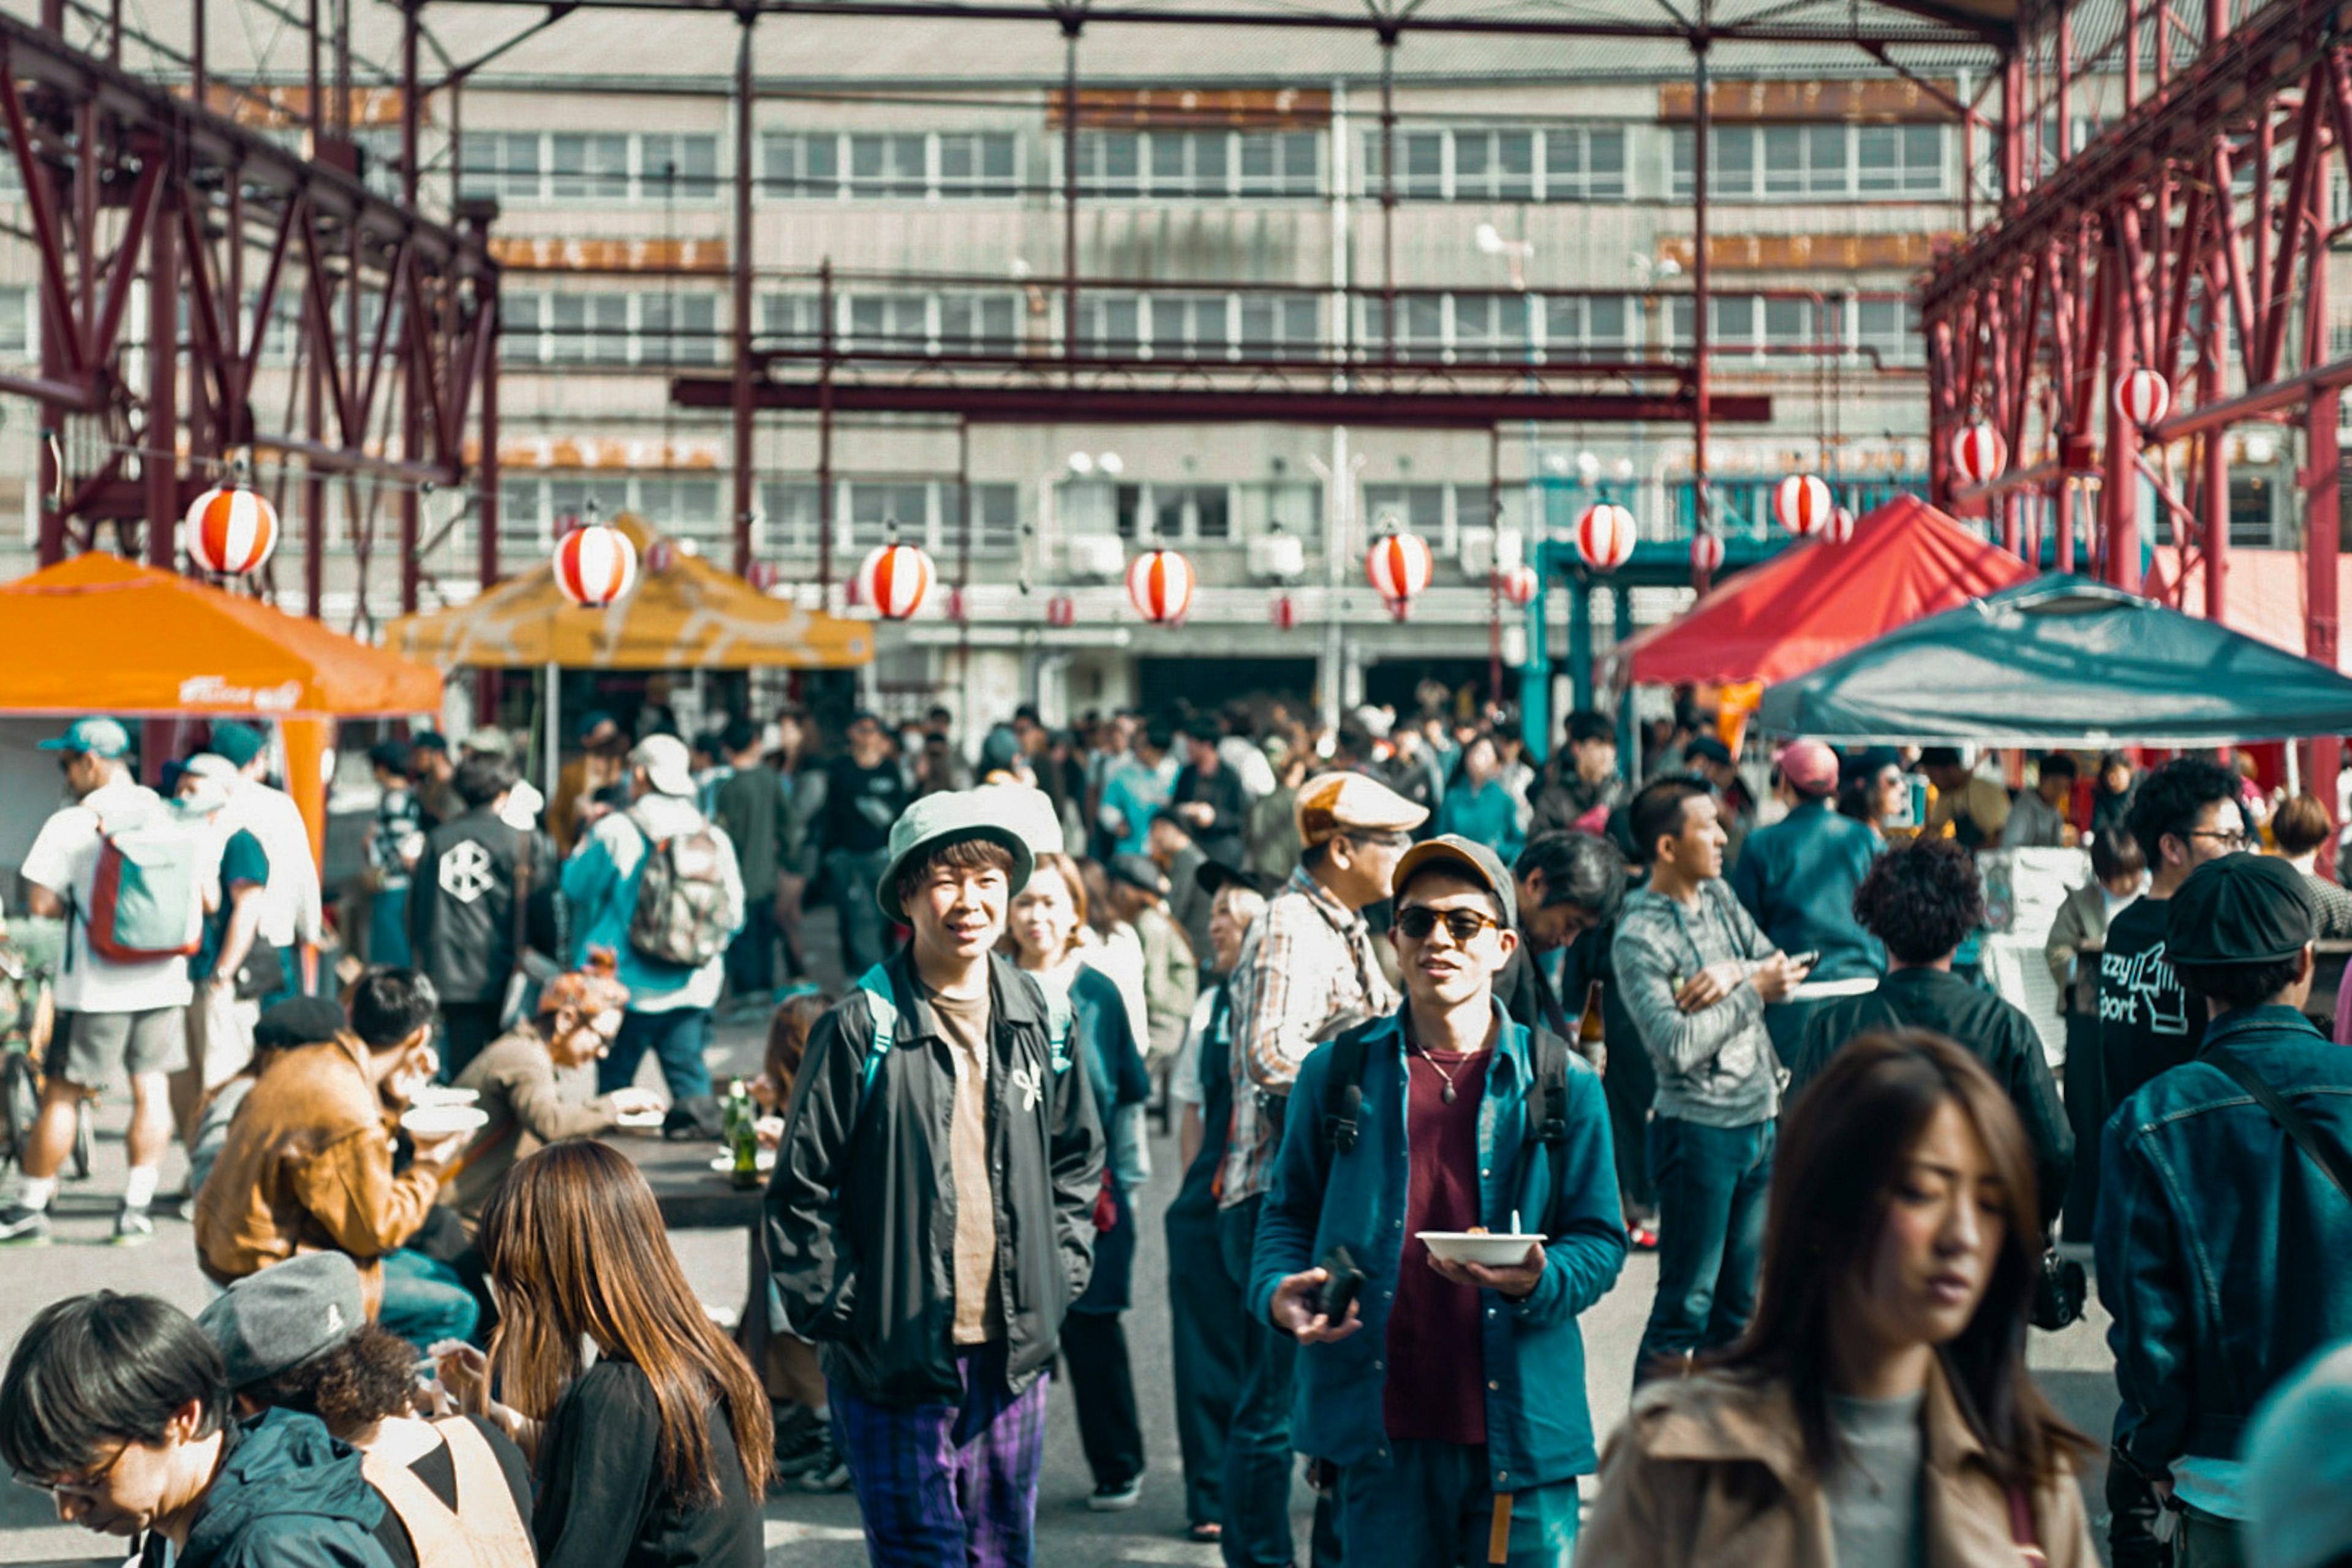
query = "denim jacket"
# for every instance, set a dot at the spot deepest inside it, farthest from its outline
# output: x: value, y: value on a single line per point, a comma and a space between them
x: 1539, y: 1429
x: 2220, y: 1244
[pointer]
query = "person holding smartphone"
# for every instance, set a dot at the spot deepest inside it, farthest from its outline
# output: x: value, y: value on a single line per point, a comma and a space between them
x: 1417, y: 1372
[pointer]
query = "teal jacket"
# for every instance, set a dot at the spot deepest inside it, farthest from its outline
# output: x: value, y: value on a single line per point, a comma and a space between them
x: 1538, y: 1428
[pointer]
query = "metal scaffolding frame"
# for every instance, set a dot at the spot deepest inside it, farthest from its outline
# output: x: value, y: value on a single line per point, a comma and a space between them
x: 132, y: 188
x: 2189, y: 237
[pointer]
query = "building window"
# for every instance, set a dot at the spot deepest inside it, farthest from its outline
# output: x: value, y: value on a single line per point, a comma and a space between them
x: 1280, y: 327
x: 2250, y: 511
x: 686, y: 508
x: 678, y: 328
x: 881, y: 510
x: 1438, y: 512
x: 1213, y: 164
x: 788, y: 523
x: 569, y: 497
x: 1499, y: 328
x: 1890, y: 326
x: 522, y: 516
x: 1579, y: 321
x: 1750, y: 162
x: 827, y: 165
x: 526, y: 166
x: 1488, y: 165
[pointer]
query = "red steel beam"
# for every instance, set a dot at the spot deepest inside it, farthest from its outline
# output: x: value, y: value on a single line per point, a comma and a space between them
x: 1214, y: 406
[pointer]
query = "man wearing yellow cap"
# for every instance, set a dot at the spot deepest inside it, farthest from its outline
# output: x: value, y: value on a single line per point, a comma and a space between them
x: 1306, y: 971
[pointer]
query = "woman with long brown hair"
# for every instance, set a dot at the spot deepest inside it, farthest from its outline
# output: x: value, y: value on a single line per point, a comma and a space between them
x: 657, y: 1452
x: 1877, y: 1412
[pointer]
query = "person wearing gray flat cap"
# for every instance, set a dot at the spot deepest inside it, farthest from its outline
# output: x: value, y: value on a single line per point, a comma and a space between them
x: 2225, y: 1206
x: 296, y: 1337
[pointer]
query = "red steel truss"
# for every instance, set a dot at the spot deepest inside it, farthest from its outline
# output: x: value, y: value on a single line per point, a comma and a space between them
x: 2189, y: 237
x: 394, y: 350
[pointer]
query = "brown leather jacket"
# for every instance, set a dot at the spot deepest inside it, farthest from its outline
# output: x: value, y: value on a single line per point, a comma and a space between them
x: 1711, y: 1473
x: 308, y: 1168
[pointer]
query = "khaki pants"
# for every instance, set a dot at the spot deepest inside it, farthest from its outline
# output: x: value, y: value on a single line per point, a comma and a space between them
x: 220, y: 1045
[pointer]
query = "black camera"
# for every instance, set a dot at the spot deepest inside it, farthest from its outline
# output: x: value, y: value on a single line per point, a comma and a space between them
x: 1342, y: 1281
x: 2059, y: 1291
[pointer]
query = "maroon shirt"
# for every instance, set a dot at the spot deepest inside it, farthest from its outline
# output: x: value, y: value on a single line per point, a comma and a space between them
x: 1436, y: 1390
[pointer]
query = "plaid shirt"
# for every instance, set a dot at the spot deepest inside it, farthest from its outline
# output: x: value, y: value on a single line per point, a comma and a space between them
x: 1306, y: 969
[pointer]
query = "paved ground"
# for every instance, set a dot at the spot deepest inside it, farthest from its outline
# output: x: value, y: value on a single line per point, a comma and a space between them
x: 822, y: 1531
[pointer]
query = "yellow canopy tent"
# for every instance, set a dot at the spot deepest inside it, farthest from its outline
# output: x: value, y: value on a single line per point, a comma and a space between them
x: 684, y: 614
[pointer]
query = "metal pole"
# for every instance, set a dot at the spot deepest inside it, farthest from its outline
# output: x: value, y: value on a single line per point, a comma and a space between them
x: 1388, y: 196
x: 2213, y: 451
x: 550, y: 703
x: 158, y: 464
x: 742, y: 268
x: 413, y: 368
x: 2119, y: 497
x: 488, y: 512
x: 1702, y: 496
x: 1070, y: 30
x: 824, y: 433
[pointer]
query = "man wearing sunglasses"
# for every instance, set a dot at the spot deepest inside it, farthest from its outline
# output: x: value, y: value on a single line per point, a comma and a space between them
x: 1307, y: 972
x: 118, y: 1407
x: 1445, y: 1116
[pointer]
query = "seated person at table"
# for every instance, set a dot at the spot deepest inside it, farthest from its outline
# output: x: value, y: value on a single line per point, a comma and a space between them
x: 308, y: 1165
x: 579, y: 1015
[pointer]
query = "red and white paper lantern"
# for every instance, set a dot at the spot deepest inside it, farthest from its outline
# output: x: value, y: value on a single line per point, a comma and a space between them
x: 2143, y: 397
x: 1519, y: 585
x: 660, y: 556
x: 764, y: 575
x: 895, y: 580
x: 1160, y: 585
x: 595, y: 564
x: 1841, y: 527
x: 1980, y: 453
x: 1284, y: 614
x: 1802, y: 503
x: 1398, y: 567
x: 1062, y: 611
x: 231, y: 530
x: 1706, y: 554
x: 1605, y: 536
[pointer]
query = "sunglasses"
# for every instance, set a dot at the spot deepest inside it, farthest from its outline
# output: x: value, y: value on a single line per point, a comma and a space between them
x: 1416, y: 921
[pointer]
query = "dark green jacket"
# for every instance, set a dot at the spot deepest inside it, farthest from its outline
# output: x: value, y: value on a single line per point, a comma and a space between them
x: 862, y: 1206
x: 287, y: 1496
x: 750, y: 806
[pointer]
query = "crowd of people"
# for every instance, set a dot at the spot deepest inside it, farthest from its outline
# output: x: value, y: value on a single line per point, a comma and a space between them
x: 1442, y: 1036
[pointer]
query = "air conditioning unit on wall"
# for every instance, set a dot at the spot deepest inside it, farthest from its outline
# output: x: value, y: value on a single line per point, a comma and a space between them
x: 1278, y: 556
x: 1098, y: 557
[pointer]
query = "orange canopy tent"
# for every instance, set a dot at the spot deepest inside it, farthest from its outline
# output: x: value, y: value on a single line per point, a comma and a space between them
x: 684, y: 613
x: 102, y: 635
x: 1816, y: 600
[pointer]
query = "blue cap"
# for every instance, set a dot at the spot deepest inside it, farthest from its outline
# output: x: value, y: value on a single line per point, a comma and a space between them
x: 92, y: 737
x: 240, y: 743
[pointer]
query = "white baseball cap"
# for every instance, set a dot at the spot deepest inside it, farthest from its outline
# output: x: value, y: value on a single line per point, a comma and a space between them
x: 667, y: 765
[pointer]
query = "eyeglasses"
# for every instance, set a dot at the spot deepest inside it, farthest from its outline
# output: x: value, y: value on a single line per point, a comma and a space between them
x: 2233, y: 840
x: 89, y: 1486
x: 1416, y: 921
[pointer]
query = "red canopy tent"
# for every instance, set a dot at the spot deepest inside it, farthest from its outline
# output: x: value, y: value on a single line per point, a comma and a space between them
x: 1816, y: 600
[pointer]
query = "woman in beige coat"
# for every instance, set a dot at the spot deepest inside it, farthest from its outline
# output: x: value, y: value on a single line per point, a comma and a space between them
x: 1877, y: 1413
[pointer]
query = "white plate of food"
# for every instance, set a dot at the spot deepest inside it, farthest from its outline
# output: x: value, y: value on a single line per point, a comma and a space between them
x: 1478, y: 1247
x: 641, y: 1119
x: 444, y: 1094
x: 725, y: 1163
x: 431, y: 1121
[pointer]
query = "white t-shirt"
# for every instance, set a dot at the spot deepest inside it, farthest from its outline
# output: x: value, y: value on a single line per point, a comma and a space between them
x: 291, y: 900
x: 64, y: 859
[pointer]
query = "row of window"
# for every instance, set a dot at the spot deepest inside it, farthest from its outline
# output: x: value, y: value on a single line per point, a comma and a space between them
x: 1458, y: 326
x: 1760, y: 162
x: 693, y: 508
x: 1559, y: 164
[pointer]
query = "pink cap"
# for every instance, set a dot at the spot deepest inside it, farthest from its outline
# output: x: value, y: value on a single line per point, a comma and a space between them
x: 1811, y: 767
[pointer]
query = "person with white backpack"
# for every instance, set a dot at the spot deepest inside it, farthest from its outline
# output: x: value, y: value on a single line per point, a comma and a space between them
x: 659, y: 886
x: 123, y: 871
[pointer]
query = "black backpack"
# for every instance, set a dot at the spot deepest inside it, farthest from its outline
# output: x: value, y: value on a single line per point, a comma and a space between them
x: 1343, y: 1092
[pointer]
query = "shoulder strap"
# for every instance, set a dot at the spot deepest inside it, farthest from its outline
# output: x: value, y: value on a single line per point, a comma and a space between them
x: 1547, y: 1101
x: 434, y: 1529
x: 2327, y: 1156
x: 883, y: 1009
x: 485, y: 1503
x: 1343, y: 1090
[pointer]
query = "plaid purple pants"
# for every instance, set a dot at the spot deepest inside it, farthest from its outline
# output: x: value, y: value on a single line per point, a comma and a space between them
x: 949, y: 1486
